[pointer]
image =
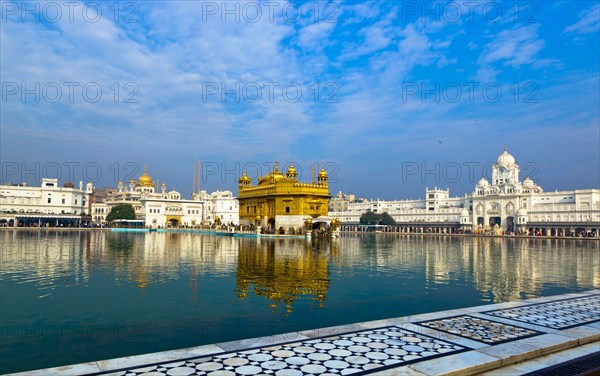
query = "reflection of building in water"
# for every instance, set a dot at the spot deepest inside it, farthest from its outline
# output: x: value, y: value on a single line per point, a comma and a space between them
x: 288, y: 271
x: 505, y: 268
x: 511, y: 269
x: 49, y: 258
x: 283, y: 271
x: 158, y: 257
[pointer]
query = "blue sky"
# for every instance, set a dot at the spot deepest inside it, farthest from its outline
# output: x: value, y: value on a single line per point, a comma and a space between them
x: 391, y: 96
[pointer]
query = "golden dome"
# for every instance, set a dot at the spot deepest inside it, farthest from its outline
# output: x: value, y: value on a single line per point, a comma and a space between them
x: 272, y: 176
x: 292, y: 173
x: 145, y: 180
x: 245, y: 179
x: 322, y: 173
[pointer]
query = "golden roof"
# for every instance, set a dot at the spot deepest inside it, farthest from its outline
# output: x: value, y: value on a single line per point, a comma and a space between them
x: 272, y: 176
x: 145, y: 180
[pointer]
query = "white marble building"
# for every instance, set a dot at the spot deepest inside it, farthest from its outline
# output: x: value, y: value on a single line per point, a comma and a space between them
x: 506, y: 204
x: 49, y: 204
x: 220, y: 204
x: 166, y: 208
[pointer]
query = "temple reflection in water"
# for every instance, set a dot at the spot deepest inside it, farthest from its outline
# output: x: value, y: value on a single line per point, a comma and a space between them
x: 286, y: 272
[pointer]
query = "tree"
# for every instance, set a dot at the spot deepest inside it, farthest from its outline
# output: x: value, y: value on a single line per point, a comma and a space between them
x: 387, y: 220
x: 121, y: 211
x: 370, y: 218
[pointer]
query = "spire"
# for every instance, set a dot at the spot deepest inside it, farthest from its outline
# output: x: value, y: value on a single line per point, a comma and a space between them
x: 504, y: 147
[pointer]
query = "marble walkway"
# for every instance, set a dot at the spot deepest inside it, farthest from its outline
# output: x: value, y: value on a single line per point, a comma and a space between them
x: 456, y: 342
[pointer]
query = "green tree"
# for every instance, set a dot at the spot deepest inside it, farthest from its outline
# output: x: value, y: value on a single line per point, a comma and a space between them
x: 387, y: 220
x: 370, y: 218
x: 121, y: 211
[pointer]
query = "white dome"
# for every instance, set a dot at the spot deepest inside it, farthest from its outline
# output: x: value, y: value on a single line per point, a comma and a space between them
x: 464, y: 213
x: 505, y: 159
x: 483, y: 183
x: 522, y: 212
x: 528, y: 182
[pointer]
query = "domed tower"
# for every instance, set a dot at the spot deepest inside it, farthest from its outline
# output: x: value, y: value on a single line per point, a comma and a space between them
x: 144, y: 182
x: 291, y: 172
x: 322, y: 178
x: 530, y: 186
x: 506, y: 170
x: 245, y: 180
x: 481, y: 186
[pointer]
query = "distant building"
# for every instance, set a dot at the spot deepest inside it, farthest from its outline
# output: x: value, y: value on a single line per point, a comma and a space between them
x: 221, y: 204
x: 340, y: 202
x: 504, y: 205
x: 46, y: 205
x: 165, y: 208
x: 280, y: 200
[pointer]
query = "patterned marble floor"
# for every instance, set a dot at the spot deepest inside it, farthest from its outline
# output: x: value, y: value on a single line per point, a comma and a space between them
x: 356, y: 353
x: 367, y: 351
x: 486, y: 331
x: 562, y: 314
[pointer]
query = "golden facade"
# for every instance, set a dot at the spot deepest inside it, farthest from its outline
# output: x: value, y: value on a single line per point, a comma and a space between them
x: 280, y: 200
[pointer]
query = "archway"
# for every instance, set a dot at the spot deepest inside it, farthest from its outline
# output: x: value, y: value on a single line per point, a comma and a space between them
x: 510, y: 224
x: 495, y: 221
x: 173, y: 222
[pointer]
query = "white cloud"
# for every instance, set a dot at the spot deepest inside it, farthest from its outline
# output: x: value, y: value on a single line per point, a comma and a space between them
x: 415, y: 46
x: 513, y: 47
x: 589, y: 22
x: 375, y: 38
x: 315, y: 36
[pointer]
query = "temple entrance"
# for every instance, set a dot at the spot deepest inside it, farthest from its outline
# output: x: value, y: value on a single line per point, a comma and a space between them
x: 495, y: 221
x: 173, y: 222
x: 480, y: 221
x: 271, y: 223
x: 510, y: 224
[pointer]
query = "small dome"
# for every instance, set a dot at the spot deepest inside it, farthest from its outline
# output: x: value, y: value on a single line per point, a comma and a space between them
x: 483, y: 183
x: 291, y: 171
x: 322, y: 173
x: 528, y: 182
x: 464, y: 213
x: 69, y: 185
x: 245, y: 179
x: 505, y: 159
x: 522, y: 212
x: 145, y: 180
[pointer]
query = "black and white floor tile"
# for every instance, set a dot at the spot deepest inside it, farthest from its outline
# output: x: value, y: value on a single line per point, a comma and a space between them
x: 358, y: 352
x: 486, y: 331
x: 560, y: 314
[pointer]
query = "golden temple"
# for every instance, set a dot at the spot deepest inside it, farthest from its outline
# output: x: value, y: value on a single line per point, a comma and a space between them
x: 279, y: 200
